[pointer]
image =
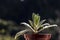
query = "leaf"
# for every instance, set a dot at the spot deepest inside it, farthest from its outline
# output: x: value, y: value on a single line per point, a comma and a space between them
x: 31, y: 23
x: 41, y: 22
x: 45, y: 24
x: 33, y: 15
x: 47, y: 27
x: 39, y: 26
x: 21, y: 33
x: 28, y: 26
x: 37, y: 19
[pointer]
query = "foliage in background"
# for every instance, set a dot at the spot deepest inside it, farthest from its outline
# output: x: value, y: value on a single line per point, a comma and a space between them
x: 7, y: 29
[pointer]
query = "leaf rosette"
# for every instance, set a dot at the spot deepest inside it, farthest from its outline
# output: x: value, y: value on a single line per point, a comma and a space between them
x: 35, y: 25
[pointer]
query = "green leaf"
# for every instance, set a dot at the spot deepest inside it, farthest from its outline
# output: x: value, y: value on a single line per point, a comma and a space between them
x: 36, y: 20
x: 33, y: 16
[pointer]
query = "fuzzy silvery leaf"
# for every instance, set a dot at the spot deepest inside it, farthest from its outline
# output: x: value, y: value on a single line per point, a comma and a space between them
x: 47, y: 27
x: 21, y: 33
x: 45, y: 24
x: 31, y: 23
x: 41, y: 22
x: 26, y: 24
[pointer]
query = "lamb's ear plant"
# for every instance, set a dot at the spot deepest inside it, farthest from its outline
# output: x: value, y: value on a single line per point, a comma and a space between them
x: 35, y: 25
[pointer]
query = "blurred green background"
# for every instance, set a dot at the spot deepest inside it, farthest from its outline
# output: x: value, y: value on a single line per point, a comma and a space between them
x: 7, y: 29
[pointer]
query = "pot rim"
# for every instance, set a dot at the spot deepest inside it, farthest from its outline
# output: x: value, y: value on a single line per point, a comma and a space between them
x: 39, y: 34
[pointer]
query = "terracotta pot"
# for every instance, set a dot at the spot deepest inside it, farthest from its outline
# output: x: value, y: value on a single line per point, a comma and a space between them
x: 37, y: 36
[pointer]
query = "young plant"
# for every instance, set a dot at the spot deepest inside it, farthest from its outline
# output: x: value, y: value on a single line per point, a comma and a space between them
x: 35, y: 26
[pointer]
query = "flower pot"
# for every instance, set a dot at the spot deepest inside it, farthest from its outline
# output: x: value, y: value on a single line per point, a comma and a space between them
x: 37, y: 36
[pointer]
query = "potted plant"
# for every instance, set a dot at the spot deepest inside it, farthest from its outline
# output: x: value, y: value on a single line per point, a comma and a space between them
x: 36, y: 26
